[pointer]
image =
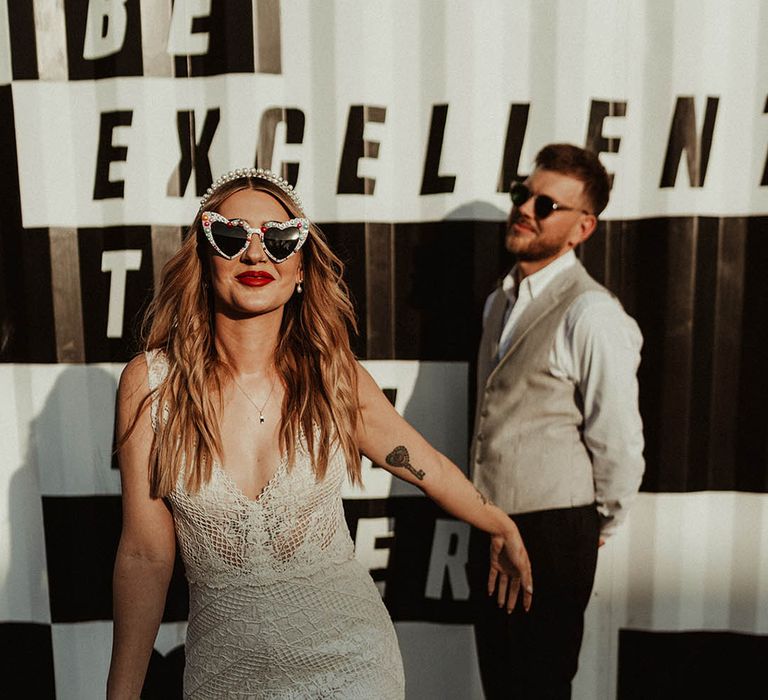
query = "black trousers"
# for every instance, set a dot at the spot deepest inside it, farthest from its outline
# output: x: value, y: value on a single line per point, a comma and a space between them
x: 535, y: 654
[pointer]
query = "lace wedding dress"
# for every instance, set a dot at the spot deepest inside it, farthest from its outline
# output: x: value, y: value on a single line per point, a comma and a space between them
x: 279, y: 607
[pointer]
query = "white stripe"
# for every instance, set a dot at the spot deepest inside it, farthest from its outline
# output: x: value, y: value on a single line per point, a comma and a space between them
x: 6, y: 71
x: 761, y: 564
x: 51, y: 39
x: 23, y: 571
x: 682, y: 562
x: 155, y: 25
x: 71, y: 412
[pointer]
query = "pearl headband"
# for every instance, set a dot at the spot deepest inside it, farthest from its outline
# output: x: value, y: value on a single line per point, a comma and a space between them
x: 259, y: 173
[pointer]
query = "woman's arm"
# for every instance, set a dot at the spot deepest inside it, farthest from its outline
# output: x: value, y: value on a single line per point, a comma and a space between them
x: 147, y: 548
x: 388, y: 440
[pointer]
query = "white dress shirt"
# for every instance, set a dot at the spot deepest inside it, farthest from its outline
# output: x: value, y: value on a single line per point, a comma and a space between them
x: 597, y: 348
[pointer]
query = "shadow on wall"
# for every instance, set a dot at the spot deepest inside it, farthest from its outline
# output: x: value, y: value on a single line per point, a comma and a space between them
x: 474, y: 270
x: 65, y: 517
x: 63, y: 513
x: 428, y: 304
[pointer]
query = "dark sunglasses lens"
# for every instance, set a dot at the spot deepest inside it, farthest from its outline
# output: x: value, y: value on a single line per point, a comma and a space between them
x: 230, y: 239
x: 281, y: 242
x: 519, y: 194
x: 543, y: 206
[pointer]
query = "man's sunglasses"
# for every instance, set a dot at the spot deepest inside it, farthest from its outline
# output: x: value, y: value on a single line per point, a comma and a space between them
x: 231, y: 238
x: 543, y: 204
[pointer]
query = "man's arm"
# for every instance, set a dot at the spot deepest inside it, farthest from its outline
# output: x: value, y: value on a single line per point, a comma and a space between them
x: 604, y: 354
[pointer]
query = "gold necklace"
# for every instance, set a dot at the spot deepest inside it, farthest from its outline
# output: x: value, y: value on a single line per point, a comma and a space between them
x: 253, y: 403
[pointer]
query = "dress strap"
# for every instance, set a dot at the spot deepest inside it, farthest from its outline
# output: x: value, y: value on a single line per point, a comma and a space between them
x: 157, y: 371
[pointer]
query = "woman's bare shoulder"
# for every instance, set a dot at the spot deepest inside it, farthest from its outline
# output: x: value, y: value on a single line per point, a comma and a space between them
x: 366, y: 384
x: 134, y: 380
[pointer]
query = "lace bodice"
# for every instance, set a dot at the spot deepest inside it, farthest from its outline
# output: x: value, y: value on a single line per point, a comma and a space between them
x: 297, y: 522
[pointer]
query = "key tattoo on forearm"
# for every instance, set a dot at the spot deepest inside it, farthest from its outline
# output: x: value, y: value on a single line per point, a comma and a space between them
x: 399, y: 457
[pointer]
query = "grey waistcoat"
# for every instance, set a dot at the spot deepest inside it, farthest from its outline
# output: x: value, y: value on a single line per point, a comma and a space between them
x: 527, y: 453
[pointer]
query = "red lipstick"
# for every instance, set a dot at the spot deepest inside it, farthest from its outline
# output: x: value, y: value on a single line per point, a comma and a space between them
x: 254, y: 278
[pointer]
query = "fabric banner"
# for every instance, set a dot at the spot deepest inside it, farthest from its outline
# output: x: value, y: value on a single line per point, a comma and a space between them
x: 401, y: 125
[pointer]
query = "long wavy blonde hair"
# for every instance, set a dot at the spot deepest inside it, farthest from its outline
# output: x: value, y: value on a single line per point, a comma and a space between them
x: 313, y: 359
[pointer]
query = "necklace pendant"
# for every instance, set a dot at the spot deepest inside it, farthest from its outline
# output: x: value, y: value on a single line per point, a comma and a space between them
x: 252, y: 402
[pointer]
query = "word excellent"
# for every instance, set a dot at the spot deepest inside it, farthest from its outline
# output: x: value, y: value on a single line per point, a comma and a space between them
x: 685, y: 137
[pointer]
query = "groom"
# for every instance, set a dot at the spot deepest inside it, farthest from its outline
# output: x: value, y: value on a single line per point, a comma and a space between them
x: 558, y: 438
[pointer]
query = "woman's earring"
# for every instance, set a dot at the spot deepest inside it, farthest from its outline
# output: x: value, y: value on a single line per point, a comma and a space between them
x: 298, y: 288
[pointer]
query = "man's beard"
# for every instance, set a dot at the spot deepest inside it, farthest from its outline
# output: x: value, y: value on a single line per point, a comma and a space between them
x: 537, y: 251
x: 535, y: 248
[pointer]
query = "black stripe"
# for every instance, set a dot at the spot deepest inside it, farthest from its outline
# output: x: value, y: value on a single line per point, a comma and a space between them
x: 695, y: 285
x: 164, y: 679
x: 348, y: 242
x: 27, y: 332
x: 95, y: 288
x: 691, y: 665
x: 21, y: 28
x: 410, y: 552
x: 752, y: 412
x: 702, y: 377
x: 702, y: 360
x: 230, y: 41
x: 127, y: 61
x: 82, y: 533
x: 81, y: 538
x: 27, y: 653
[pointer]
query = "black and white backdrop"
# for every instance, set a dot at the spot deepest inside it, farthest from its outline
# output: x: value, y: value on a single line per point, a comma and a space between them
x: 401, y: 124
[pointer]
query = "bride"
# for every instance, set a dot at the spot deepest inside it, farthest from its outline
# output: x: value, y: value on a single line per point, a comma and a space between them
x: 237, y: 427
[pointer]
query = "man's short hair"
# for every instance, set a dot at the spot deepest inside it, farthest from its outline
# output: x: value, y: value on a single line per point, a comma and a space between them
x: 581, y: 164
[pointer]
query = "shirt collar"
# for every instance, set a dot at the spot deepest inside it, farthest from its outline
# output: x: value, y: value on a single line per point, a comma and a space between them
x: 535, y: 283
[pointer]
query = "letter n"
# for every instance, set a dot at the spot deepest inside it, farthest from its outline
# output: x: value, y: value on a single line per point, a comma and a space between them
x: 683, y: 137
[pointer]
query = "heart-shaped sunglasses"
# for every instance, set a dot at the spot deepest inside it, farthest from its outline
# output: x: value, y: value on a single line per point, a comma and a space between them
x: 231, y: 237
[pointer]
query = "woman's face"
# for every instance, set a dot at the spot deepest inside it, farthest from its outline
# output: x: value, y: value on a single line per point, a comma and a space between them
x: 252, y: 284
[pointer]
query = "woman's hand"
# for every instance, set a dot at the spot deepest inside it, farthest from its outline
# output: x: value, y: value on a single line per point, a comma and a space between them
x: 510, y: 567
